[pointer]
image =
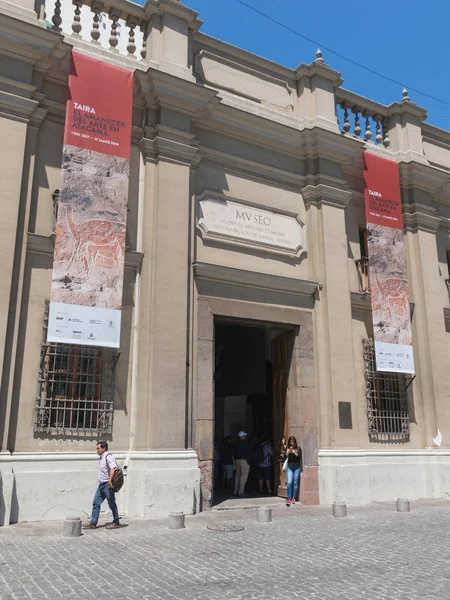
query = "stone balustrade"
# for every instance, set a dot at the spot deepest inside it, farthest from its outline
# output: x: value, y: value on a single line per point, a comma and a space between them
x: 117, y: 25
x: 164, y: 35
x: 362, y: 118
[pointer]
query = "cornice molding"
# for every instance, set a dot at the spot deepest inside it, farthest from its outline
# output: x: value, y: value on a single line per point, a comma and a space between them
x: 318, y: 142
x: 423, y: 176
x: 318, y: 69
x: 362, y: 301
x: 263, y: 281
x: 401, y: 108
x: 368, y: 453
x: 30, y: 41
x: 325, y: 195
x: 17, y: 107
x: 162, y: 89
x: 436, y: 136
x: 421, y: 221
x: 351, y: 99
x: 164, y: 148
x: 173, y: 7
x: 41, y: 244
x: 239, y: 54
x: 37, y: 458
x: 20, y: 13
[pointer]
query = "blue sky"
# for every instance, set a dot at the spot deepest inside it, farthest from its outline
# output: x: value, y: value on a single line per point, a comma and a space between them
x: 406, y: 40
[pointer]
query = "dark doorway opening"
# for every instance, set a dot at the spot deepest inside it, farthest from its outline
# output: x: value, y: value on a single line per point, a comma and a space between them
x: 250, y: 379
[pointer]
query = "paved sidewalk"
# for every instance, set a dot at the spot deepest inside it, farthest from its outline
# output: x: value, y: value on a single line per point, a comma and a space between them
x: 375, y: 554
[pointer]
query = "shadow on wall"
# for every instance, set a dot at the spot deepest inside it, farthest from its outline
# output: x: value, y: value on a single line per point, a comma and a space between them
x: 2, y: 502
x: 13, y: 516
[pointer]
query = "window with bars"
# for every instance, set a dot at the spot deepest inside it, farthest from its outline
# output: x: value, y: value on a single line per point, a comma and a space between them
x: 387, y: 400
x: 76, y: 389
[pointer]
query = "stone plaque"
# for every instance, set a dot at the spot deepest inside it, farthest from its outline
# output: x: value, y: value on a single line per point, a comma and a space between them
x: 247, y: 225
x: 345, y: 415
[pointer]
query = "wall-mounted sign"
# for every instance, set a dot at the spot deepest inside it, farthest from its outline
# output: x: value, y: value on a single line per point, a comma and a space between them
x: 229, y: 221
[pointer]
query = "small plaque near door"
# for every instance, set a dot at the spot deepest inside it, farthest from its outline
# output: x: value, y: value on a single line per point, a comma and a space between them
x: 345, y: 415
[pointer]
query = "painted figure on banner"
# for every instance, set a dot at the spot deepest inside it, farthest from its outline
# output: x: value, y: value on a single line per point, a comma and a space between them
x: 91, y: 229
x: 389, y: 285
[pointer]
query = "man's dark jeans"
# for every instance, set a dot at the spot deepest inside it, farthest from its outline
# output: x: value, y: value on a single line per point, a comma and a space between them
x: 104, y: 492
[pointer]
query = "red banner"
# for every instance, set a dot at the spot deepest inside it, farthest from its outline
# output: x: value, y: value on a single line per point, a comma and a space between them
x: 382, y: 194
x: 99, y: 107
x: 387, y: 266
x: 89, y: 256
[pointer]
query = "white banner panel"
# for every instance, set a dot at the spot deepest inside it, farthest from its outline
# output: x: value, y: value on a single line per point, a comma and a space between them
x: 394, y: 358
x: 86, y: 325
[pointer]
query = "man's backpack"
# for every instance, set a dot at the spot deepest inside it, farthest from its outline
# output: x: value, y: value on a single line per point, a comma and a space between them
x: 117, y: 479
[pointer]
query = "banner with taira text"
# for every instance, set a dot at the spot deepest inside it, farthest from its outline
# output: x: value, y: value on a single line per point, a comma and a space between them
x: 387, y: 266
x: 88, y: 263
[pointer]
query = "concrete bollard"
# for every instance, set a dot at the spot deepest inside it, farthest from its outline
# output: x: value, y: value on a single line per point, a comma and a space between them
x: 72, y: 527
x: 264, y: 515
x: 339, y: 509
x: 403, y: 505
x: 176, y: 520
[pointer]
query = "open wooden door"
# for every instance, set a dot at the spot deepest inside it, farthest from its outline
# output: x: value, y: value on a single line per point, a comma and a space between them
x: 279, y: 395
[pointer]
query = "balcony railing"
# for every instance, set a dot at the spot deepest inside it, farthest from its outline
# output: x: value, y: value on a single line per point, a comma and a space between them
x: 362, y: 118
x: 362, y: 267
x: 117, y: 25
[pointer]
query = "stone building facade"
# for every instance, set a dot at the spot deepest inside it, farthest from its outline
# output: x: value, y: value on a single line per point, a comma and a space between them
x: 220, y: 137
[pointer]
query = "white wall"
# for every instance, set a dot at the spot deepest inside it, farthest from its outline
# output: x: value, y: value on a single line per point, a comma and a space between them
x: 46, y: 487
x: 364, y: 476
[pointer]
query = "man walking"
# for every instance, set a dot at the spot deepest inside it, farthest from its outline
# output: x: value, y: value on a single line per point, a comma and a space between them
x: 242, y: 453
x: 106, y: 466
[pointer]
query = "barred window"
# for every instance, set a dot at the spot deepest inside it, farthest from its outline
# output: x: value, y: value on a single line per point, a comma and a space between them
x: 76, y: 389
x: 387, y: 400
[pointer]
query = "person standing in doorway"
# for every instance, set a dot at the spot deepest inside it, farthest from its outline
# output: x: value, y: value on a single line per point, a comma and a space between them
x: 293, y: 454
x: 242, y: 455
x: 106, y: 466
x: 265, y: 466
x: 226, y: 454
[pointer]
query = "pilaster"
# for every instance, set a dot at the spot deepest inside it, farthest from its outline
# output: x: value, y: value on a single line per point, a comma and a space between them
x: 429, y: 335
x: 20, y: 118
x: 316, y: 94
x: 405, y: 130
x: 169, y: 36
x: 327, y: 254
x: 171, y: 152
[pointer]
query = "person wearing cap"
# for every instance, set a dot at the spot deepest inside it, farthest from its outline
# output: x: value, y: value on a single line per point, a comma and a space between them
x: 242, y: 453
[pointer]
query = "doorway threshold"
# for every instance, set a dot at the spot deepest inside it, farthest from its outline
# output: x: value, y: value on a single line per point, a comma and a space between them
x: 251, y: 502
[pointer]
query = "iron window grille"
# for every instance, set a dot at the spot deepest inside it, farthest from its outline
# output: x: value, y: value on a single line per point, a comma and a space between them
x: 362, y: 267
x: 387, y: 400
x: 75, y: 389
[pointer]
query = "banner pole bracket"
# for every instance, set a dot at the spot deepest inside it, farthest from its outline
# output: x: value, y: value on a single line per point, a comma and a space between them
x: 410, y: 382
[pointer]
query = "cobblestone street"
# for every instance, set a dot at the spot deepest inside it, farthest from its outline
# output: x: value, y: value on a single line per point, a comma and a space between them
x: 304, y: 553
